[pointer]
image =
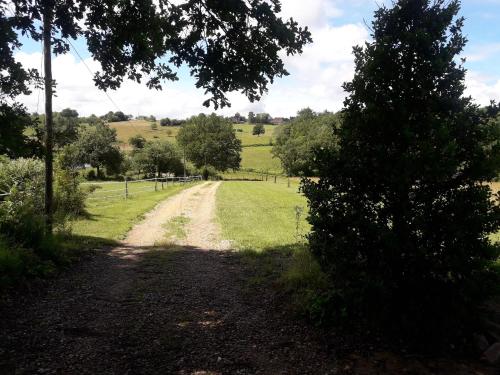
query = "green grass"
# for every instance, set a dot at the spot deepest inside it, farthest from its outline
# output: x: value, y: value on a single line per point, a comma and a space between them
x: 260, y: 159
x: 256, y: 153
x: 127, y: 129
x: 248, y: 139
x: 112, y: 218
x: 260, y: 215
x: 175, y: 227
x: 260, y: 219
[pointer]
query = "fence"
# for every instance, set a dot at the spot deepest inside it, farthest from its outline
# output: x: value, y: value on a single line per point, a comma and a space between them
x: 261, y: 176
x: 128, y: 188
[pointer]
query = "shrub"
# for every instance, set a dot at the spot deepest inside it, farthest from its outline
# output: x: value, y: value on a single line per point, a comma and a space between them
x: 401, y: 214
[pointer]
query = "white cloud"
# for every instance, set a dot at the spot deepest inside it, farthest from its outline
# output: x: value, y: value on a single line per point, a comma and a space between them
x: 315, y: 80
x: 481, y: 88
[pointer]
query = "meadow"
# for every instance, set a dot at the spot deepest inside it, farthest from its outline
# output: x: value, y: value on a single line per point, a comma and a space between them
x: 261, y: 215
x: 256, y: 154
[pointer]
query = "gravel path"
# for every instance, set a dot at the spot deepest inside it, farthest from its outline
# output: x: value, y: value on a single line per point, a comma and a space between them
x: 182, y: 309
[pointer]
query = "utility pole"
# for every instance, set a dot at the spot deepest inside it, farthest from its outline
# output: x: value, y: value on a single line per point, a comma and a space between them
x: 47, y: 62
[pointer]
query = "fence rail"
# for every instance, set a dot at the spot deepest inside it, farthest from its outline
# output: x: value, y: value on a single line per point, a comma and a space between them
x: 129, y: 187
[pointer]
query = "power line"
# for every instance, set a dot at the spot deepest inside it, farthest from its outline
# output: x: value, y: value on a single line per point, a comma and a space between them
x: 93, y: 74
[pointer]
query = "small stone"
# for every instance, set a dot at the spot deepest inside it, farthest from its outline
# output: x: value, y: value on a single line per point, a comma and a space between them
x: 492, y: 355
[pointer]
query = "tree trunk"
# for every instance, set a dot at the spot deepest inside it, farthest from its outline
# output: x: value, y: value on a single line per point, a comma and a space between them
x: 47, y: 60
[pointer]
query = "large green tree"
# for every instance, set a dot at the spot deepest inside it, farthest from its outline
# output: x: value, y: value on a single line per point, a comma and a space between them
x: 97, y: 146
x: 210, y: 141
x: 296, y: 142
x: 401, y: 216
x: 227, y: 45
x: 158, y: 157
x: 66, y: 124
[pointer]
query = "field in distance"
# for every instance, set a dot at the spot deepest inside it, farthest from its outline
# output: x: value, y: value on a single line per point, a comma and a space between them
x: 256, y: 149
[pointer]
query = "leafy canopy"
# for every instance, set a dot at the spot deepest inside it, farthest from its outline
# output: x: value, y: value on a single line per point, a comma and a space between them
x: 401, y: 215
x: 227, y: 45
x: 210, y: 141
x: 258, y: 129
x: 158, y: 157
x: 97, y: 146
x: 296, y: 142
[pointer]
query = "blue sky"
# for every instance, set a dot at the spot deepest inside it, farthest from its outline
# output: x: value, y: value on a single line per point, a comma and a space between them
x: 315, y: 78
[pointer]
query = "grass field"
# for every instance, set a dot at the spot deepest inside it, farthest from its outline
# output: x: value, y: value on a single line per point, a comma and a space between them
x: 260, y: 159
x: 127, y: 129
x: 256, y: 150
x: 112, y: 218
x: 261, y: 215
x: 248, y: 139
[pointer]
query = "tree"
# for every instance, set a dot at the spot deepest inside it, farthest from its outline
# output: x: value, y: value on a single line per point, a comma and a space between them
x: 97, y: 145
x: 401, y: 215
x: 159, y: 157
x: 263, y: 118
x: 296, y: 142
x: 228, y: 46
x: 258, y: 129
x: 14, y: 81
x: 165, y: 122
x: 115, y: 116
x: 210, y: 141
x: 66, y: 124
x: 13, y: 121
x: 251, y: 117
x: 137, y: 141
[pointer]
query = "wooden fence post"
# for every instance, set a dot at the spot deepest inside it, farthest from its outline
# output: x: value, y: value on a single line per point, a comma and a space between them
x: 274, y: 178
x: 126, y: 187
x: 156, y: 183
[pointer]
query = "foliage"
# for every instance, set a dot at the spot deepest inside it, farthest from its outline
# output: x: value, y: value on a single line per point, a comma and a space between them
x: 69, y: 199
x: 65, y: 127
x: 158, y: 157
x: 13, y: 121
x: 259, y: 118
x: 97, y: 147
x: 258, y: 129
x: 115, y: 116
x: 241, y: 41
x: 401, y: 215
x: 297, y: 141
x: 165, y: 122
x: 137, y: 141
x: 14, y: 81
x: 154, y: 126
x: 210, y: 141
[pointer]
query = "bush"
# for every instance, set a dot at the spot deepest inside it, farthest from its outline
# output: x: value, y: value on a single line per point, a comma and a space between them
x: 26, y: 250
x: 401, y: 215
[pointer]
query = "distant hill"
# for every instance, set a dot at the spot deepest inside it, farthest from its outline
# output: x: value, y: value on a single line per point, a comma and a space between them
x: 256, y: 153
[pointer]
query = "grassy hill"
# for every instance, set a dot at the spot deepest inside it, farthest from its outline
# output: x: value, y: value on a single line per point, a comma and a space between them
x: 256, y: 149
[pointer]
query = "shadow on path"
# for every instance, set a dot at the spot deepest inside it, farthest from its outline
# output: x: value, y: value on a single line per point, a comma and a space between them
x: 141, y: 310
x: 176, y: 310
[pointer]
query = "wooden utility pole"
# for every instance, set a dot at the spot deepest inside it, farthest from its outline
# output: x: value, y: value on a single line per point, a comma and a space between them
x: 47, y: 62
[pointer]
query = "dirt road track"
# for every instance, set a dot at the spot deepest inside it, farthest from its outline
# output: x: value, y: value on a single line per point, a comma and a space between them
x: 186, y: 309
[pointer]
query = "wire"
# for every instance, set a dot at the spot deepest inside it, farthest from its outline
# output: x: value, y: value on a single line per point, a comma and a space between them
x: 93, y: 74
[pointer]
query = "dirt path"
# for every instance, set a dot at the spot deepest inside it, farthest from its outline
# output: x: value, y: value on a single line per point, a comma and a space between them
x: 196, y: 204
x: 183, y: 309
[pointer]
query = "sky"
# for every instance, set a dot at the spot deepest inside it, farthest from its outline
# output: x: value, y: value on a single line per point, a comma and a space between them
x: 315, y: 76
